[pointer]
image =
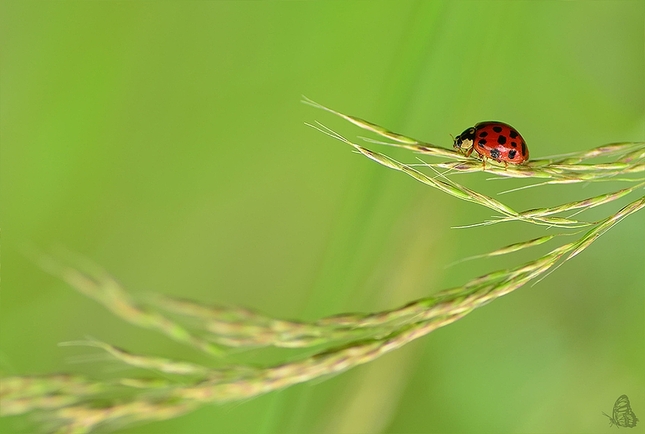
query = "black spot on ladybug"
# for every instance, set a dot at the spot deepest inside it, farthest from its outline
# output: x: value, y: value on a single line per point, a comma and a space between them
x: 482, y: 142
x: 511, y: 153
x: 513, y: 134
x: 497, y: 129
x: 501, y: 140
x: 483, y: 134
x: 523, y: 149
x: 494, y: 154
x: 513, y: 144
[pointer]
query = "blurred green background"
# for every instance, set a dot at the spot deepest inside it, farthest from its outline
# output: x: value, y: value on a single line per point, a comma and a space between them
x: 166, y: 142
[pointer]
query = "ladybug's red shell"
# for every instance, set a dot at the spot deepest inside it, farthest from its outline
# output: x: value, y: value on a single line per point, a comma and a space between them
x: 495, y: 140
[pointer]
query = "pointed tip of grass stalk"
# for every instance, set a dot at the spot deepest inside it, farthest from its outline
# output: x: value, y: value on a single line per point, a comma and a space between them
x: 95, y: 282
x: 511, y: 248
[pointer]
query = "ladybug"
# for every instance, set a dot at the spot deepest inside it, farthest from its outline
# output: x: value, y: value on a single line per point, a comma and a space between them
x: 495, y: 140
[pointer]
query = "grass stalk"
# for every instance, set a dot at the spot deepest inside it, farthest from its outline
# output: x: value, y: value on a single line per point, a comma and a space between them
x: 168, y: 388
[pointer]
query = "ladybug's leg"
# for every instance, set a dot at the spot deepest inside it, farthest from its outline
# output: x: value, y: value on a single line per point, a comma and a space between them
x: 505, y: 165
x: 483, y: 162
x: 470, y: 151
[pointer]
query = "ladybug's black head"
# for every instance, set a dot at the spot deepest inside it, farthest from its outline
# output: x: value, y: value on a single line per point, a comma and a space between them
x: 464, y: 141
